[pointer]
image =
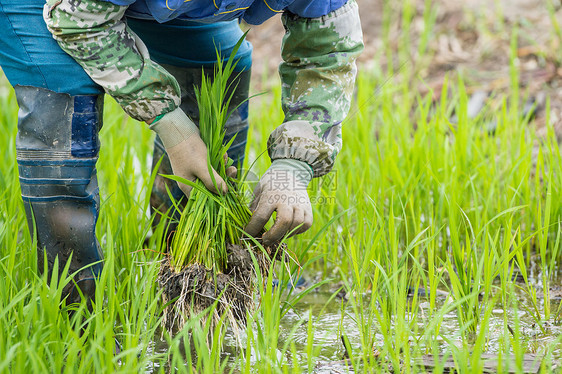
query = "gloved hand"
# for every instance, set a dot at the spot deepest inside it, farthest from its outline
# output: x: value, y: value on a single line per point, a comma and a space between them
x: 186, y: 150
x: 282, y: 189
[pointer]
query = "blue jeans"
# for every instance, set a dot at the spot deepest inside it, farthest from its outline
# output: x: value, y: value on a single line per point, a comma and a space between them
x: 61, y: 114
x: 29, y: 56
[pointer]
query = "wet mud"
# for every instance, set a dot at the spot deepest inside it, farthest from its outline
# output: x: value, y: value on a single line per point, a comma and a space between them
x: 193, y: 290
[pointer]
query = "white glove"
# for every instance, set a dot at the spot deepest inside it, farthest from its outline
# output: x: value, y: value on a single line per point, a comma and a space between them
x: 282, y: 189
x: 186, y: 150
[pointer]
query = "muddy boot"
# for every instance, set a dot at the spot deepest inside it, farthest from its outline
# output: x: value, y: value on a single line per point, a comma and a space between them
x: 237, y: 125
x: 57, y: 149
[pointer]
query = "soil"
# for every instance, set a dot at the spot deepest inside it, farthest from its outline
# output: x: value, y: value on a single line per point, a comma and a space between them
x: 196, y: 288
x: 470, y: 36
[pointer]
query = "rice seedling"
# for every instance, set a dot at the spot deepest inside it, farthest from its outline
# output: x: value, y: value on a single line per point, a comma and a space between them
x: 208, y: 260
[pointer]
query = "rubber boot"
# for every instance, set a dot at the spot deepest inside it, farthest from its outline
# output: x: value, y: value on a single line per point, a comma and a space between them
x: 57, y: 149
x: 237, y: 125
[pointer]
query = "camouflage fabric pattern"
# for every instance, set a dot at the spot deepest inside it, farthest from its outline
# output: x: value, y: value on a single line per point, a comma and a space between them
x: 94, y: 33
x: 318, y: 72
x: 318, y: 76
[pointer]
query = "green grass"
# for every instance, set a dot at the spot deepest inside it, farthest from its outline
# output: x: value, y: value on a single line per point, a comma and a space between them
x: 445, y: 206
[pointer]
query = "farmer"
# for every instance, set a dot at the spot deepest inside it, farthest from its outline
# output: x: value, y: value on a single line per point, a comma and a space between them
x: 147, y: 54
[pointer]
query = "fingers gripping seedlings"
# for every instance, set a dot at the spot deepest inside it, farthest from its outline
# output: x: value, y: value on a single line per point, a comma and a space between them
x: 282, y: 189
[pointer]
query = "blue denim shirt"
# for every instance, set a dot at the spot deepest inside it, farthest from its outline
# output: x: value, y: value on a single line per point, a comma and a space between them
x: 253, y: 12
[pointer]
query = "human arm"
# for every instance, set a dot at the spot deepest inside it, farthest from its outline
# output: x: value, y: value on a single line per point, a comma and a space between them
x: 94, y: 33
x: 318, y: 76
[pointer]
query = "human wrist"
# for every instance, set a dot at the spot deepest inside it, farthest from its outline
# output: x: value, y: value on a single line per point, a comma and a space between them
x: 174, y: 127
x: 301, y: 171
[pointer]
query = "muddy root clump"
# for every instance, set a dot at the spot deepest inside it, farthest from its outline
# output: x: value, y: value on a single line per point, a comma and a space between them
x: 196, y: 288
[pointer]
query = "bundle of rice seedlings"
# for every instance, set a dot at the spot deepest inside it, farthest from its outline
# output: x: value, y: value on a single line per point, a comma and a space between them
x: 209, y: 261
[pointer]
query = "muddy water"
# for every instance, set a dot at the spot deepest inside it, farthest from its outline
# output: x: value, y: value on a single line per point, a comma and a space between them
x: 329, y: 324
